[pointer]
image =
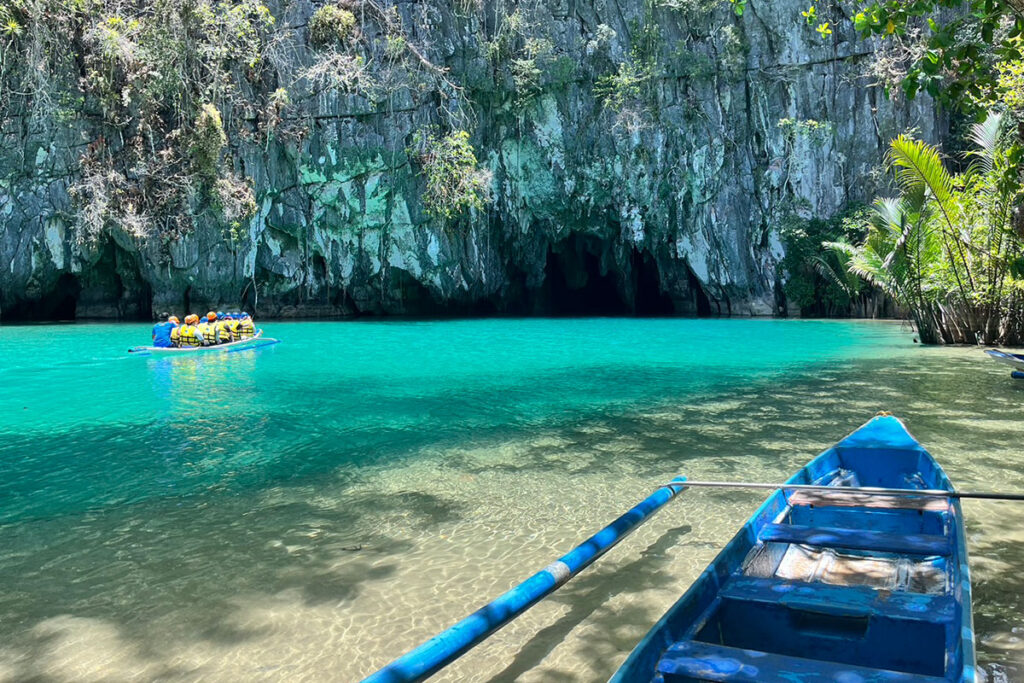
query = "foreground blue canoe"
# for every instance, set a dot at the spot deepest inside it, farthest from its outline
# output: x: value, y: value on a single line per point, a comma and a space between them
x: 823, y: 586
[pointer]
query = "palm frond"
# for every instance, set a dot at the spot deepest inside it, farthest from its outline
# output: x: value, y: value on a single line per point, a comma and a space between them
x: 867, y: 264
x: 841, y: 278
x: 918, y: 165
x: 845, y: 248
x: 887, y: 214
x: 986, y: 136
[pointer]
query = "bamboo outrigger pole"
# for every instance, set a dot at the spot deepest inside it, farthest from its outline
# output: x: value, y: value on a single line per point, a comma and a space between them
x: 449, y: 645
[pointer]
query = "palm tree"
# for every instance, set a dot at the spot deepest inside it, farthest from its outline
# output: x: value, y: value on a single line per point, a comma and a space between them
x: 945, y: 248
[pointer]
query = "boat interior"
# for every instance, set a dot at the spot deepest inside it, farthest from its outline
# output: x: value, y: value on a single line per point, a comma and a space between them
x: 831, y: 586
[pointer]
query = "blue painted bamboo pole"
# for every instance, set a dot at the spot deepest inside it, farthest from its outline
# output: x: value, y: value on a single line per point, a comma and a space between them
x: 447, y: 646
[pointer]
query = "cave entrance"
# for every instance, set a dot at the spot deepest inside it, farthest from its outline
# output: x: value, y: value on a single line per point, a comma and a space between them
x: 113, y: 287
x: 648, y: 297
x: 698, y: 297
x: 62, y: 303
x: 574, y: 284
x: 248, y: 297
x: 408, y: 295
x: 58, y: 303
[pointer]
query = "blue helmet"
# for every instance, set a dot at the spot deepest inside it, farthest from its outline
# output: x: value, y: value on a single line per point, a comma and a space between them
x: 220, y: 315
x: 244, y: 314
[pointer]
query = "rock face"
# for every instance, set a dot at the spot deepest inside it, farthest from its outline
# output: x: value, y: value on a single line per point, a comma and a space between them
x: 668, y: 200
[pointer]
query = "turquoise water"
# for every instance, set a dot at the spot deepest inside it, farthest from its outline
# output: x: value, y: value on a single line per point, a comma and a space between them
x: 123, y: 429
x: 311, y: 509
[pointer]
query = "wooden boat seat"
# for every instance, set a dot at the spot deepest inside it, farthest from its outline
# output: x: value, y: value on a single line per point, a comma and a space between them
x: 693, y: 660
x: 857, y: 539
x: 855, y: 499
x: 848, y: 601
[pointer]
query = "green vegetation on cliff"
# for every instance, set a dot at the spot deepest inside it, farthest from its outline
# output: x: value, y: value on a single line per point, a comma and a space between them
x: 819, y: 282
x: 950, y: 246
x: 368, y: 156
x: 454, y: 183
x: 165, y: 78
x: 156, y: 76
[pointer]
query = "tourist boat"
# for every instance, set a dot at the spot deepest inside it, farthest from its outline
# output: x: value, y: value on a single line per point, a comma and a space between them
x: 830, y: 586
x: 254, y: 342
x: 1014, y: 360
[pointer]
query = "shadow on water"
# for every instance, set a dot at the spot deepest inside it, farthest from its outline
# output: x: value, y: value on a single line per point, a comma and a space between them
x: 969, y: 418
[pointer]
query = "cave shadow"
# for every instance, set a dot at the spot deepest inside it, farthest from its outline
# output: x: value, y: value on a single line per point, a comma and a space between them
x: 576, y: 283
x: 59, y: 303
x: 111, y: 287
x: 582, y: 278
x: 649, y: 297
x: 789, y: 424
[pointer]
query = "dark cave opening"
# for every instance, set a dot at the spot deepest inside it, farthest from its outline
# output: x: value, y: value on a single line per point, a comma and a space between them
x: 112, y: 287
x: 247, y: 297
x: 648, y: 297
x: 574, y: 284
x: 319, y: 269
x: 699, y: 297
x: 411, y: 297
x: 343, y: 301
x: 63, y: 301
x: 59, y: 303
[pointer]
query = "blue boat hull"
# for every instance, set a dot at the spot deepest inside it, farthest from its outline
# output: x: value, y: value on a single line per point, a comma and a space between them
x: 830, y: 586
x: 255, y: 342
x: 1014, y: 360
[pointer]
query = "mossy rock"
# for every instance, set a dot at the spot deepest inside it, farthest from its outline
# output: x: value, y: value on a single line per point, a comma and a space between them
x: 330, y: 25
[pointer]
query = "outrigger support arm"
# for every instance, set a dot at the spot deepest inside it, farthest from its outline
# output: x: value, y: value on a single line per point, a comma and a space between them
x: 449, y: 645
x: 872, y: 490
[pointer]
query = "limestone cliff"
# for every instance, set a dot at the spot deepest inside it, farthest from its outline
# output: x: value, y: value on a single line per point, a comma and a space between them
x: 609, y: 192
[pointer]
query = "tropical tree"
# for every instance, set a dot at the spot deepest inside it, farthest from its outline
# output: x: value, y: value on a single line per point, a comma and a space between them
x: 949, y: 248
x: 957, y: 51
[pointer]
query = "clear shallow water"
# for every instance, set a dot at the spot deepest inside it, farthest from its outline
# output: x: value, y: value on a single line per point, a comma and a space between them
x: 310, y: 510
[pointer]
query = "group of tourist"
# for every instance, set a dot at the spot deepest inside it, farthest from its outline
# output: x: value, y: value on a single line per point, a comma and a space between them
x: 211, y: 329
